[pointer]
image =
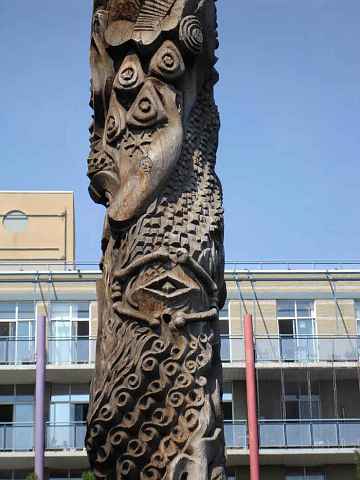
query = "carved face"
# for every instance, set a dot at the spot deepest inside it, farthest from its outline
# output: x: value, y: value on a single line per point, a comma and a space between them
x: 143, y: 132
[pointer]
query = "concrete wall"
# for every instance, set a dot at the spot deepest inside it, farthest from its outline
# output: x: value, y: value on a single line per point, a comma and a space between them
x: 49, y: 232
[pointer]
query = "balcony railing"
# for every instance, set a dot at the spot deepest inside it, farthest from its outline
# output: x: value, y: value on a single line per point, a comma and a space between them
x: 17, y: 350
x: 294, y: 349
x: 235, y: 433
x: 309, y: 433
x: 232, y: 349
x: 16, y: 437
x: 71, y: 350
x: 65, y: 436
x: 324, y: 433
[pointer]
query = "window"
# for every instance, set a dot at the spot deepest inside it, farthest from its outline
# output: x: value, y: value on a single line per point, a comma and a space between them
x: 69, y: 329
x: 227, y: 400
x: 305, y: 473
x: 69, y: 403
x: 299, y: 404
x: 70, y: 319
x: 15, y: 221
x: 13, y: 475
x: 224, y: 319
x: 66, y: 475
x: 296, y: 321
x: 17, y: 408
x: 17, y: 332
x: 68, y: 410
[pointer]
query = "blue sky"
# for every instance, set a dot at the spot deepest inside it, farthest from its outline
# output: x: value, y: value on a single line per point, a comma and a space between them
x: 289, y: 97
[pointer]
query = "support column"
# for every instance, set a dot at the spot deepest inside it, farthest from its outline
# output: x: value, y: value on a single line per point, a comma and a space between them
x: 251, y: 398
x: 40, y: 397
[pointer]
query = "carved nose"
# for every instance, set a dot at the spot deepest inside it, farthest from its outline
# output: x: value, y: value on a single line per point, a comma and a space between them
x: 147, y: 109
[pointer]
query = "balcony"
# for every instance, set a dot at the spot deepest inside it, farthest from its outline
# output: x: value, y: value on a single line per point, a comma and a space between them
x: 70, y: 351
x: 65, y: 436
x: 324, y: 433
x: 16, y: 437
x: 17, y: 350
x: 304, y: 349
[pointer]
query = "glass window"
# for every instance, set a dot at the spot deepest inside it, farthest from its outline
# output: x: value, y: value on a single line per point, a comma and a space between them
x: 69, y: 403
x: 60, y: 392
x: 80, y: 393
x: 69, y: 319
x: 285, y: 308
x: 7, y: 311
x: 227, y: 400
x: 298, y: 402
x: 26, y: 311
x: 60, y: 311
x: 305, y: 474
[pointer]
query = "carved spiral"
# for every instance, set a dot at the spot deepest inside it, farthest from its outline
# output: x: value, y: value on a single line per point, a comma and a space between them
x: 191, y: 34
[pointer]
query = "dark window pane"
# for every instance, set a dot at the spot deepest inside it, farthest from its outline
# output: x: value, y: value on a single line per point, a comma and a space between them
x: 228, y: 414
x: 7, y: 329
x: 286, y: 327
x: 60, y: 392
x: 80, y: 393
x: 224, y: 327
x: 80, y: 412
x: 6, y: 413
x: 292, y: 409
x: 24, y: 393
x: 82, y: 329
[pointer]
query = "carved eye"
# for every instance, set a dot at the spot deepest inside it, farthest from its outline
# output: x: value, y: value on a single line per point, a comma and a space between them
x: 130, y: 74
x: 168, y: 62
x: 115, y: 122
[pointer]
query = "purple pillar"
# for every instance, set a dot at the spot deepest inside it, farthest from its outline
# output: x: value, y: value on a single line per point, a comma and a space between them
x: 40, y: 397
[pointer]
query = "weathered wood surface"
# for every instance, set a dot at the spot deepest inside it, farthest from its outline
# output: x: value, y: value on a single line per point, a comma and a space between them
x: 155, y: 410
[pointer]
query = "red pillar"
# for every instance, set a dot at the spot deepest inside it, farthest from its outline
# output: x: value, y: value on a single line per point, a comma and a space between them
x: 251, y: 398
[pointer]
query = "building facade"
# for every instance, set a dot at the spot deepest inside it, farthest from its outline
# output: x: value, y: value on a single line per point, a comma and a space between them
x: 307, y: 344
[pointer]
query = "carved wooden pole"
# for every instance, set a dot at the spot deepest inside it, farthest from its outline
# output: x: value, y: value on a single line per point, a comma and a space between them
x: 155, y: 410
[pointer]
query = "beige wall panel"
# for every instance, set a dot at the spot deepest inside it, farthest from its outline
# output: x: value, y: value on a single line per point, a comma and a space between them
x: 346, y: 317
x: 93, y: 319
x: 235, y: 317
x: 265, y: 318
x: 335, y: 320
x: 325, y: 312
x: 49, y: 233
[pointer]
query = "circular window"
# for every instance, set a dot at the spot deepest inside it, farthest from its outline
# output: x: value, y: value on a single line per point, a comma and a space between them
x: 15, y: 221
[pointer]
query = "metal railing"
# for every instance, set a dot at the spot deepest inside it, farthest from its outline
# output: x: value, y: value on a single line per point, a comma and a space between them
x: 292, y: 264
x: 317, y: 433
x: 232, y: 348
x: 235, y: 432
x: 17, y: 350
x: 65, y: 436
x: 16, y: 436
x: 74, y: 350
x: 324, y: 433
x: 304, y: 349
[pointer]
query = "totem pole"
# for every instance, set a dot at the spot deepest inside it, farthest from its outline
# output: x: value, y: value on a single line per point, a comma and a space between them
x: 155, y: 409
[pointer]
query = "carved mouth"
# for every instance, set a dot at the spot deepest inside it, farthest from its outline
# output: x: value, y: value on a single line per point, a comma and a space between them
x: 103, y: 186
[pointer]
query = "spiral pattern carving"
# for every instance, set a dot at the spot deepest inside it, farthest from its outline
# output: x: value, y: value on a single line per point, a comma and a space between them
x: 191, y: 34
